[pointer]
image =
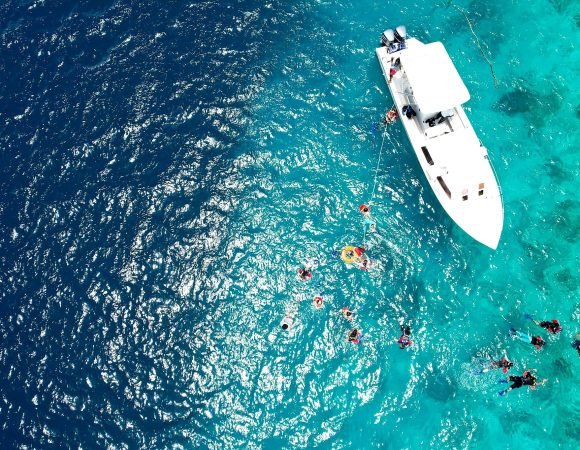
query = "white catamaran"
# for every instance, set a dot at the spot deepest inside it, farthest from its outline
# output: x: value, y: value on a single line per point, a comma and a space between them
x: 428, y: 94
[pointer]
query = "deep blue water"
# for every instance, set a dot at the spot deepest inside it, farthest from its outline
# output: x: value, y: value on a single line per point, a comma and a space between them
x: 167, y: 166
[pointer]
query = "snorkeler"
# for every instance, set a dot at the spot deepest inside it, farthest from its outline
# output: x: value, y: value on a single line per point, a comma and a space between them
x: 576, y: 343
x: 318, y: 302
x: 527, y: 379
x: 354, y: 336
x: 305, y: 273
x: 553, y: 326
x: 404, y: 340
x: 347, y: 313
x: 503, y: 364
x: 536, y: 341
x: 287, y: 321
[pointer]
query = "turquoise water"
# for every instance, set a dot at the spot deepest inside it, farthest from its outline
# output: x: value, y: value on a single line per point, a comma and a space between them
x: 308, y: 161
x: 168, y: 166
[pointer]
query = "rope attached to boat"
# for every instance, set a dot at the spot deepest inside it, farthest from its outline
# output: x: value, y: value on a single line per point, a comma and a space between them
x: 376, y: 176
x: 378, y: 164
x: 462, y: 11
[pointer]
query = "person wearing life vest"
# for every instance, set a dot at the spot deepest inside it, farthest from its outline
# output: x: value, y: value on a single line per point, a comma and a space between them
x: 305, y: 273
x: 404, y: 340
x: 363, y: 264
x: 362, y: 261
x: 391, y: 116
x: 318, y: 302
x: 367, y: 218
x: 347, y: 313
x: 359, y: 251
x: 365, y: 210
x: 354, y: 336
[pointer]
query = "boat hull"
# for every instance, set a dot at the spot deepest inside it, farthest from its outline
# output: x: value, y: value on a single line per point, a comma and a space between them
x: 455, y: 163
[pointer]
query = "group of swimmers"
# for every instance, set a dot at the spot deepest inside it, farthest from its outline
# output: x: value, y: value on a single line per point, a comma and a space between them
x: 356, y: 256
x: 353, y: 257
x: 528, y: 377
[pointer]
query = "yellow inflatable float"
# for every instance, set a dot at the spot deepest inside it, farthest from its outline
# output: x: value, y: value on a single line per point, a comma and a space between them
x: 349, y: 255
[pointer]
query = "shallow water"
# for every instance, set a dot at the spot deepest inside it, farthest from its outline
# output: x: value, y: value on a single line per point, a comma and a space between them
x: 168, y: 167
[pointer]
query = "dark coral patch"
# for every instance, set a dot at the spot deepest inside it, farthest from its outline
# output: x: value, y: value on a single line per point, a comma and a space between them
x: 568, y: 279
x: 556, y: 171
x: 565, y: 220
x: 518, y: 102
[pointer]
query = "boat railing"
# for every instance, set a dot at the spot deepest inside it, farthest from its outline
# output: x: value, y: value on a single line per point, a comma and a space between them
x: 497, y: 181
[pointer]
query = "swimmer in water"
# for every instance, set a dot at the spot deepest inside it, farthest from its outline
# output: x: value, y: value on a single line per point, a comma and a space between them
x: 365, y: 210
x: 305, y: 273
x: 287, y: 322
x: 536, y: 341
x: 354, y: 336
x: 527, y: 379
x: 364, y: 264
x: 367, y: 218
x: 318, y: 302
x: 576, y: 343
x: 404, y: 340
x: 347, y: 313
x: 553, y: 326
x: 362, y: 260
x: 503, y: 364
x: 392, y: 115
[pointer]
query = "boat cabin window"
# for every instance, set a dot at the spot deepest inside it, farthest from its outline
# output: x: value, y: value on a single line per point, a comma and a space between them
x: 444, y: 186
x: 427, y: 155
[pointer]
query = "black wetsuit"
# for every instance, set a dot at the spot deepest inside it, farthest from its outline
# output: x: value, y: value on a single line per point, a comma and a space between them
x: 537, y: 341
x: 519, y: 381
x: 552, y: 327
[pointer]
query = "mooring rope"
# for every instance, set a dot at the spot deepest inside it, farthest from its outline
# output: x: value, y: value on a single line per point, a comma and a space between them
x: 378, y: 164
x: 477, y: 41
x: 376, y: 176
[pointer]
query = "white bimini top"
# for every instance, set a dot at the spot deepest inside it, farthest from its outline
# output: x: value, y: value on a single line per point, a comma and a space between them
x: 436, y: 84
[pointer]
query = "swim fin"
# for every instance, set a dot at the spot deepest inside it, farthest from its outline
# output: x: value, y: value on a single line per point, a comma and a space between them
x: 528, y: 316
x: 502, y: 393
